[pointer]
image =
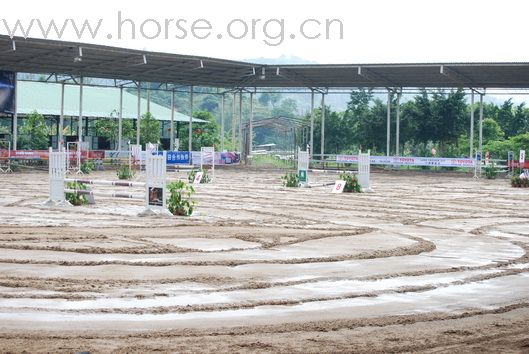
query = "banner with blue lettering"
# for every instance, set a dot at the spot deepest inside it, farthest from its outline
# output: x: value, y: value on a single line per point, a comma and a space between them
x: 178, y: 157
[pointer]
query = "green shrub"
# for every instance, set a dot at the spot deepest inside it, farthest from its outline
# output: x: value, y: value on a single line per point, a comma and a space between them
x: 124, y: 172
x: 351, y: 183
x: 205, y: 177
x: 490, y: 171
x: 291, y: 179
x: 179, y: 201
x: 518, y: 182
x: 87, y: 166
x: 74, y: 198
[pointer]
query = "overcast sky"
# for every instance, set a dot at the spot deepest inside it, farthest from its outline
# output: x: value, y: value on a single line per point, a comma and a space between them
x: 373, y: 31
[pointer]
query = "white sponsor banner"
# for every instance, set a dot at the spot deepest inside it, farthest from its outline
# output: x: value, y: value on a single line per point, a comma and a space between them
x: 410, y: 161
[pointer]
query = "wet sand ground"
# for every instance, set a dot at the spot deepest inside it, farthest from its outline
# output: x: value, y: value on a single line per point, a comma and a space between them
x: 427, y: 263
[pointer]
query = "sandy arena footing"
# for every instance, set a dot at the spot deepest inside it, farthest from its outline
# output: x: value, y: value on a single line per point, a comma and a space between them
x: 429, y: 262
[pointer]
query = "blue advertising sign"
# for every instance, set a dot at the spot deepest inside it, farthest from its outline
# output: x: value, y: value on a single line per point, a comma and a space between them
x: 178, y: 157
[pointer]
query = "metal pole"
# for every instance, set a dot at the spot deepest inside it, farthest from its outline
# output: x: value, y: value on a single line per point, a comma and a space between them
x: 190, y: 143
x: 471, y: 141
x: 120, y: 120
x: 171, y: 135
x: 388, y: 125
x: 138, y: 117
x: 250, y: 138
x: 322, y: 148
x: 80, y: 123
x: 149, y: 99
x: 481, y: 123
x: 222, y: 123
x: 397, y: 131
x: 240, y: 121
x: 61, y: 119
x: 233, y: 121
x: 15, y: 116
x: 311, y: 124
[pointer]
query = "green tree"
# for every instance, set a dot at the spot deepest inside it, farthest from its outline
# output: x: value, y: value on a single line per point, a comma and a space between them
x: 269, y: 99
x: 150, y: 131
x: 34, y: 134
x: 204, y: 134
x: 108, y: 128
x: 287, y: 108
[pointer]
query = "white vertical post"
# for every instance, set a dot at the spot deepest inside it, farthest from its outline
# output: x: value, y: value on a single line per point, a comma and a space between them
x: 480, y: 128
x: 15, y: 115
x: 481, y: 123
x: 471, y: 140
x: 222, y: 123
x: 397, y: 129
x: 322, y: 148
x: 149, y: 99
x: 60, y: 138
x: 138, y: 117
x: 388, y: 125
x: 80, y: 123
x: 311, y: 123
x: 364, y: 170
x: 233, y: 121
x: 120, y: 120
x: 250, y: 138
x: 190, y: 144
x: 240, y: 122
x: 171, y: 135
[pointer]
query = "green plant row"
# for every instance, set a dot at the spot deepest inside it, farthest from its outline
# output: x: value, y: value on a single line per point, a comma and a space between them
x: 519, y: 182
x: 351, y: 183
x: 205, y: 176
x: 74, y: 198
x: 291, y: 179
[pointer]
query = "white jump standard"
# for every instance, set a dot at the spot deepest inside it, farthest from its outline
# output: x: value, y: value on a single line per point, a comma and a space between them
x: 155, y: 186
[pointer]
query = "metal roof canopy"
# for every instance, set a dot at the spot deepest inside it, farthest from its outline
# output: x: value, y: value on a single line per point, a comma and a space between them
x: 89, y: 60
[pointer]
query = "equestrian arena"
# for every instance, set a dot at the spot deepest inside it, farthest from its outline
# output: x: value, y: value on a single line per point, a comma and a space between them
x: 429, y: 262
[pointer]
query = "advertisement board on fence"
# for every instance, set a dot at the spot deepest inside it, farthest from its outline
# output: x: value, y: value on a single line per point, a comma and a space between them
x: 410, y: 161
x: 7, y: 92
x: 43, y: 154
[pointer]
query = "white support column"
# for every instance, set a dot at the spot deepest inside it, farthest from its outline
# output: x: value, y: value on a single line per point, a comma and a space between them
x: 138, y: 117
x: 80, y: 122
x: 190, y: 143
x: 397, y: 129
x: 171, y: 135
x: 149, y: 99
x: 60, y: 138
x: 311, y: 124
x: 233, y: 121
x: 481, y: 122
x: 240, y: 123
x: 15, y: 116
x: 250, y: 137
x: 222, y: 123
x: 322, y: 148
x: 120, y: 118
x: 471, y: 140
x: 388, y: 125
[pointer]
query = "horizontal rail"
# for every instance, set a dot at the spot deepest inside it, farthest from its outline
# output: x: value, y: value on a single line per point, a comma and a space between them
x: 103, y: 194
x: 106, y: 183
